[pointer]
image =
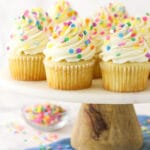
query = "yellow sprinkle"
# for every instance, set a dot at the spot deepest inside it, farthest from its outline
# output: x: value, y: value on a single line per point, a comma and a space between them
x: 26, y: 47
x: 50, y: 45
x: 142, y: 30
x: 36, y: 9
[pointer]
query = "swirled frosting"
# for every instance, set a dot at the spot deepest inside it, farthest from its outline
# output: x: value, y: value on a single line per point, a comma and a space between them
x: 95, y: 32
x: 30, y: 32
x: 62, y: 12
x: 125, y: 45
x: 69, y: 43
x: 142, y: 24
x: 117, y: 12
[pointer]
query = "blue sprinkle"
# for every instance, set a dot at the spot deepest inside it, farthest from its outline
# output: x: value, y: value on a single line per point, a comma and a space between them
x: 71, y: 51
x: 87, y: 42
x: 108, y: 47
x: 30, y: 21
x: 73, y: 25
x: 120, y: 35
x: 37, y: 23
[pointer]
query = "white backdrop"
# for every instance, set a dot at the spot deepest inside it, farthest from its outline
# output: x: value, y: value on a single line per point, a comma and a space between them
x: 9, y: 9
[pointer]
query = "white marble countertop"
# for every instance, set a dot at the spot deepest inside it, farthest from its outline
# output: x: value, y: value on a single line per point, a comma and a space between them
x: 10, y: 106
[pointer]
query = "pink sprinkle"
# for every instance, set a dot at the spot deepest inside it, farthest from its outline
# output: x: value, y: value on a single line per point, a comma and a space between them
x: 122, y: 44
x: 109, y: 24
x: 25, y: 37
x: 148, y: 55
x: 65, y: 23
x: 69, y: 23
x: 34, y: 13
x: 102, y: 33
x: 130, y: 30
x: 74, y: 17
x: 11, y: 36
x: 30, y: 27
x: 145, y: 19
x: 46, y: 14
x: 115, y: 15
x: 95, y: 33
x: 7, y: 48
x: 108, y: 37
x: 90, y: 38
x: 26, y: 13
x: 37, y: 121
x: 125, y: 17
x: 96, y: 20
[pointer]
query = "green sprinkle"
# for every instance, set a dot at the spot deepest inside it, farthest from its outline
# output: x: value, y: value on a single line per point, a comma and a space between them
x: 19, y: 27
x: 79, y: 56
x: 113, y: 9
x: 66, y: 39
x: 133, y: 39
x: 147, y: 14
x: 113, y: 27
x: 23, y: 17
x: 118, y: 54
x: 91, y: 27
x: 85, y: 32
x: 42, y: 147
x: 43, y: 19
x: 39, y: 27
x: 129, y: 24
x: 101, y: 22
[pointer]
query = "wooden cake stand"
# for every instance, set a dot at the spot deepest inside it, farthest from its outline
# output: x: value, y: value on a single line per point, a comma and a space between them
x: 106, y: 120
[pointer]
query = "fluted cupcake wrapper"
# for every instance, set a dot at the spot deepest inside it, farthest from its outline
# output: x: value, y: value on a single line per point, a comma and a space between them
x: 27, y: 68
x: 128, y: 77
x: 97, y: 70
x: 69, y: 76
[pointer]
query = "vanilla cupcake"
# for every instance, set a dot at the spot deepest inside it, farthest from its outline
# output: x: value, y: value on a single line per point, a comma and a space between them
x: 125, y: 65
x: 28, y: 40
x: 69, y: 58
x: 62, y: 11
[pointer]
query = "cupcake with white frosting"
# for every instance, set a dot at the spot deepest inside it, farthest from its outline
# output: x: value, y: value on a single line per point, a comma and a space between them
x: 69, y: 57
x: 28, y: 40
x: 125, y: 65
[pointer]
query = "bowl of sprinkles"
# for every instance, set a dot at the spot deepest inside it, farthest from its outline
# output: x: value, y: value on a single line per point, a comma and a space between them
x: 45, y: 117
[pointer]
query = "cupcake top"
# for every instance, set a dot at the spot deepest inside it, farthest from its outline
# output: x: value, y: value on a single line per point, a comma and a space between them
x: 69, y: 43
x: 103, y: 20
x: 125, y: 45
x: 63, y: 12
x: 117, y: 12
x: 94, y: 31
x: 30, y: 32
x: 142, y: 24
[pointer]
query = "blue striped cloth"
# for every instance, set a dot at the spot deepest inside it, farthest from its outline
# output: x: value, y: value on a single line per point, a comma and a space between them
x: 65, y: 143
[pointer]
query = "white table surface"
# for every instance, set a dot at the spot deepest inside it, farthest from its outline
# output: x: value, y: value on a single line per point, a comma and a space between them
x: 95, y: 94
x: 10, y: 105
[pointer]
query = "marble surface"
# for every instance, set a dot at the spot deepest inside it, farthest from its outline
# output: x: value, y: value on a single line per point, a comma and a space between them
x: 10, y: 106
x: 96, y: 94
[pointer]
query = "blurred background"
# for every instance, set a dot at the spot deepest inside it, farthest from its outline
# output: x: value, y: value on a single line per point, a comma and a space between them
x: 10, y: 9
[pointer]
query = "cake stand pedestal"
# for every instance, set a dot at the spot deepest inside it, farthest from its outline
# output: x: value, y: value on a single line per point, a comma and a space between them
x: 106, y: 120
x: 107, y: 127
